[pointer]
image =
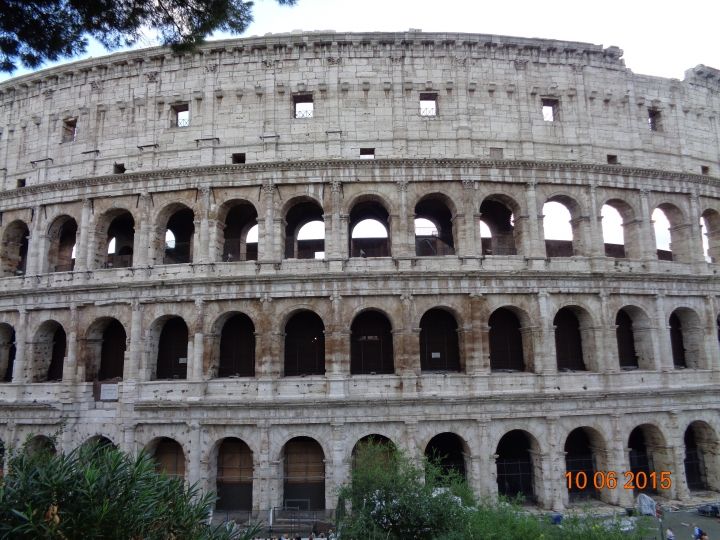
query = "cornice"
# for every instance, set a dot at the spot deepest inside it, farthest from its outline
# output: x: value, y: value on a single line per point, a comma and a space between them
x: 384, y: 164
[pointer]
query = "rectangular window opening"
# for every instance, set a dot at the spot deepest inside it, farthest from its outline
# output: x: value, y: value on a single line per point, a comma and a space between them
x: 428, y: 104
x: 550, y: 109
x: 238, y: 158
x: 180, y: 115
x: 20, y: 182
x: 612, y: 159
x: 704, y: 169
x: 118, y: 168
x: 496, y: 153
x: 654, y: 120
x: 303, y: 106
x: 69, y: 130
x: 367, y: 153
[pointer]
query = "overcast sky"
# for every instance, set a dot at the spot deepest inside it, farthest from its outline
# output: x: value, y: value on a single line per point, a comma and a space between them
x: 660, y: 38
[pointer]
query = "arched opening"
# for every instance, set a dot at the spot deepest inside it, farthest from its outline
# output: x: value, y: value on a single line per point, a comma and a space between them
x: 306, y: 216
x: 498, y: 218
x: 447, y: 449
x: 240, y: 242
x: 304, y: 344
x: 237, y: 347
x: 371, y: 345
x: 568, y: 341
x: 99, y: 442
x: 643, y: 442
x: 558, y: 229
x: 169, y: 457
x: 119, y: 241
x: 234, y: 475
x: 580, y: 457
x: 369, y: 226
x: 104, y: 354
x: 506, y: 342
x: 710, y: 222
x: 671, y: 236
x: 627, y: 354
x: 701, y: 462
x: 13, y: 257
x: 439, y: 346
x: 433, y: 228
x: 303, y: 475
x: 515, y: 465
x: 172, y: 350
x: 62, y: 235
x: 686, y: 339
x: 677, y: 342
x: 41, y: 443
x: 7, y: 352
x: 385, y: 448
x: 178, y: 235
x: 612, y: 229
x: 49, y: 352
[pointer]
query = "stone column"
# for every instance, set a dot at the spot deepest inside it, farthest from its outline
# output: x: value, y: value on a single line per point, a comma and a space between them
x: 533, y: 240
x: 203, y: 252
x: 470, y: 246
x: 694, y: 236
x: 83, y: 238
x: 268, y: 233
x: 194, y: 451
x: 402, y: 244
x: 662, y: 338
x: 132, y: 371
x: 648, y: 245
x: 712, y: 345
x: 337, y: 350
x: 195, y: 369
x: 268, y: 364
x: 477, y: 353
x: 335, y: 250
x: 605, y: 347
x: 70, y: 365
x: 483, y: 463
x: 544, y: 343
x: 266, y: 474
x: 141, y: 243
x: 20, y: 366
x: 596, y: 247
x: 337, y: 468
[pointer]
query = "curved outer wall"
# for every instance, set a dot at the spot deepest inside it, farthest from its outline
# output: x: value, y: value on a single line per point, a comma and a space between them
x: 487, y: 141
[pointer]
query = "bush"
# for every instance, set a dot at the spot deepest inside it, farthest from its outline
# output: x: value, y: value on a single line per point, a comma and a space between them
x: 100, y: 492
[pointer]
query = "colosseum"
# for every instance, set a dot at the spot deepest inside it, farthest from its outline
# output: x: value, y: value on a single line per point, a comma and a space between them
x: 249, y: 258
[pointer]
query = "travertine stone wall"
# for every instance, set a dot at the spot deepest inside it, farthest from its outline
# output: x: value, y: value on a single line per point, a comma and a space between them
x: 366, y: 90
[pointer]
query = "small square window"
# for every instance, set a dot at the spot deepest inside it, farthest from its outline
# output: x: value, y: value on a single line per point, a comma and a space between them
x: 704, y: 169
x: 367, y: 153
x: 428, y: 104
x: 654, y: 120
x: 180, y: 115
x: 496, y: 153
x: 612, y: 159
x: 20, y: 182
x: 238, y: 159
x: 303, y: 106
x: 550, y: 109
x: 119, y: 168
x: 69, y: 130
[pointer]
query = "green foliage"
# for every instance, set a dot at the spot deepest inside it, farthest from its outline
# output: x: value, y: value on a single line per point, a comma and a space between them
x: 389, y: 497
x: 100, y: 492
x: 33, y: 31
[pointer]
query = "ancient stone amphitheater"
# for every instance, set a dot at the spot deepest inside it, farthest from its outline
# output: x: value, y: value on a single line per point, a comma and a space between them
x: 248, y: 259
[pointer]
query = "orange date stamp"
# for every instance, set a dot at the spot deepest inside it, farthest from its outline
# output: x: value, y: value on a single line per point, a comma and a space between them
x: 581, y: 480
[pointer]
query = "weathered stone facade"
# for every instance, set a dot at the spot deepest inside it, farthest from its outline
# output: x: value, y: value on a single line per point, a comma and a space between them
x: 99, y: 146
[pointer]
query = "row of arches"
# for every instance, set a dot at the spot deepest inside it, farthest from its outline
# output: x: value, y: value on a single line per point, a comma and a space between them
x: 518, y: 463
x: 369, y: 232
x: 510, y: 344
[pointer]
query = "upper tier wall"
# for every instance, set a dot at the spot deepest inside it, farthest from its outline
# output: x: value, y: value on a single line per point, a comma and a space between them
x: 365, y: 90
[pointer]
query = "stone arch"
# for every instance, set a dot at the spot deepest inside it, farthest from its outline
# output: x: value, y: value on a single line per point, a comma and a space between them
x: 7, y: 352
x: 234, y: 475
x: 304, y: 344
x: 564, y: 234
x: 701, y: 461
x: 679, y: 233
x: 367, y: 212
x: 40, y: 443
x: 299, y: 212
x: 633, y: 335
x: 168, y: 455
x: 574, y: 339
x: 450, y: 450
x: 439, y: 342
x: 14, y: 249
x: 585, y: 452
x: 99, y: 441
x: 711, y: 240
x: 234, y: 352
x: 507, y: 342
x: 49, y: 350
x: 303, y: 462
x: 104, y: 350
x: 175, y: 247
x: 439, y: 238
x: 499, y: 212
x: 631, y: 231
x: 386, y: 445
x: 236, y: 219
x: 169, y: 337
x: 115, y: 231
x: 371, y: 343
x: 647, y: 453
x: 62, y: 237
x: 686, y: 339
x: 519, y: 472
